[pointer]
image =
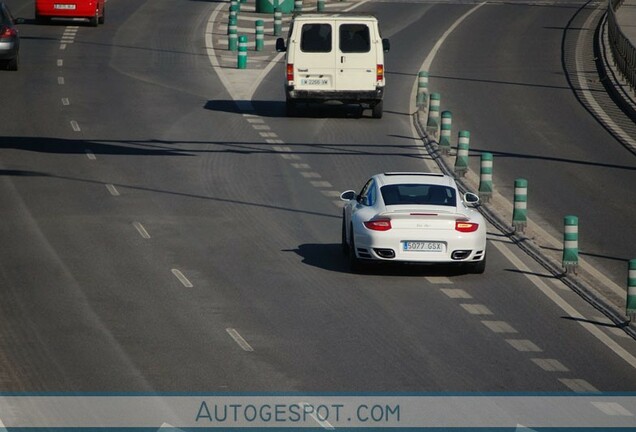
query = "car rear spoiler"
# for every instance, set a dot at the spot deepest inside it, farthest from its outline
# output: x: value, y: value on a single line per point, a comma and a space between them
x: 420, y: 214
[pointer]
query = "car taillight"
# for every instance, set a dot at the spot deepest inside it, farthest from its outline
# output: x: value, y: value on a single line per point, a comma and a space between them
x: 290, y: 72
x: 7, y: 32
x: 379, y: 72
x: 463, y: 226
x: 378, y: 224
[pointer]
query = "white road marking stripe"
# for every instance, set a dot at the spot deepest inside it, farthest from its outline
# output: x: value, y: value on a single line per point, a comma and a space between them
x: 310, y: 174
x: 274, y: 141
x: 60, y: 62
x: 439, y: 280
x: 184, y: 280
x: 255, y: 120
x: 239, y: 339
x: 476, y: 309
x: 338, y: 203
x: 499, y: 326
x: 523, y: 345
x: 456, y: 293
x: 268, y: 134
x: 90, y: 155
x: 567, y: 308
x: 66, y: 102
x: 613, y: 409
x: 321, y: 184
x: 331, y: 193
x: 261, y: 127
x: 75, y: 126
x: 578, y: 385
x: 62, y: 46
x: 60, y: 80
x: 300, y: 165
x: 112, y: 189
x: 141, y: 230
x: 550, y: 365
x: 290, y: 156
x: 281, y: 149
x: 67, y: 40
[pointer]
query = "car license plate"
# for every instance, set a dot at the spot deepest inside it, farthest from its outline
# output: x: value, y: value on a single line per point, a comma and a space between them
x: 64, y: 6
x: 424, y: 246
x: 314, y: 81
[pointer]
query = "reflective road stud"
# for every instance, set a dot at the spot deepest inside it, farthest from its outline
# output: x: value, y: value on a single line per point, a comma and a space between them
x: 422, y: 89
x: 445, y: 133
x: 520, y: 210
x: 631, y: 290
x: 242, y: 52
x: 570, y: 243
x: 433, y: 111
x: 461, y: 160
x: 278, y: 21
x: 260, y: 34
x: 485, y: 177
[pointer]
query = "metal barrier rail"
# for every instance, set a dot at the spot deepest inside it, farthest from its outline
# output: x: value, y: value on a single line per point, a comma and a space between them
x: 623, y: 51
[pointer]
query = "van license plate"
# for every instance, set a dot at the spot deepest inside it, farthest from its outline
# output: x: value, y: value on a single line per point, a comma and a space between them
x: 64, y: 6
x: 314, y: 81
x: 423, y: 246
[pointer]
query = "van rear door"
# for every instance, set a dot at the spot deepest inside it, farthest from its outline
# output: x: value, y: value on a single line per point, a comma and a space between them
x: 356, y: 54
x: 315, y: 62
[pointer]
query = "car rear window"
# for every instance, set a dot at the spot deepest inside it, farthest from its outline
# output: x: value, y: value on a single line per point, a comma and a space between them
x: 315, y: 38
x: 354, y: 38
x: 418, y: 194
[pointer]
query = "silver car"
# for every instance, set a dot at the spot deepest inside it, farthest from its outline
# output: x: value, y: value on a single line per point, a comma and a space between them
x: 9, y: 39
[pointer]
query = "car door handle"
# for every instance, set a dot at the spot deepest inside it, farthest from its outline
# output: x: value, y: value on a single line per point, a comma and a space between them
x: 303, y: 70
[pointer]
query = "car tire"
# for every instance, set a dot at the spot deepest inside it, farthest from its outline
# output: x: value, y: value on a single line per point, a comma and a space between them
x: 478, y: 267
x: 355, y: 264
x: 344, y: 244
x: 376, y: 109
x: 94, y: 21
x: 14, y: 63
x: 102, y: 18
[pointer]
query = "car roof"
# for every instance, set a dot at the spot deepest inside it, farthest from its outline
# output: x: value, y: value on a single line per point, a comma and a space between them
x: 313, y: 16
x: 388, y: 178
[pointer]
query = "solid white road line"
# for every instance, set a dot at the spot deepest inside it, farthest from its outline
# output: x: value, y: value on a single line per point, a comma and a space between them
x: 239, y: 339
x: 141, y: 230
x: 112, y: 189
x: 184, y: 280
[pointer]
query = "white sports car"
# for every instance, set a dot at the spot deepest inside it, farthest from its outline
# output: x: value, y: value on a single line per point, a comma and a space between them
x: 413, y: 217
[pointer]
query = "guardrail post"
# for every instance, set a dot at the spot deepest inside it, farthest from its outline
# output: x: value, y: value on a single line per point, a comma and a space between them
x: 571, y: 243
x: 520, y: 210
x: 461, y: 159
x: 232, y: 40
x: 260, y: 35
x: 631, y: 290
x: 278, y: 21
x: 422, y: 89
x: 445, y: 133
x: 320, y: 6
x: 432, y: 124
x: 241, y: 62
x: 485, y: 177
x: 298, y: 5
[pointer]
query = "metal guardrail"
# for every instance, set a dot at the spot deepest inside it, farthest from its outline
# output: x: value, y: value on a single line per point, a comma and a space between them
x: 623, y: 51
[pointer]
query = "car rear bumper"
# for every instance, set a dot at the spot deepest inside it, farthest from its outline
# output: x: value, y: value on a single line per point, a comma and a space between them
x: 8, y: 50
x: 82, y: 10
x: 348, y: 96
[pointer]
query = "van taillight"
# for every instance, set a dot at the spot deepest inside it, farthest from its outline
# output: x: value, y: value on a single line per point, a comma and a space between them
x: 379, y: 72
x: 290, y: 72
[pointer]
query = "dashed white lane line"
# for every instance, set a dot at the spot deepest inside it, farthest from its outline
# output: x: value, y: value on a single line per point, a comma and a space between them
x: 456, y: 293
x: 268, y: 135
x: 255, y: 120
x: 310, y: 174
x: 524, y: 345
x: 612, y: 409
x: 578, y: 385
x: 566, y: 307
x: 60, y: 62
x: 476, y: 309
x: 60, y: 80
x: 184, y: 280
x: 439, y: 280
x: 141, y: 230
x: 289, y: 156
x: 75, y: 126
x: 261, y: 127
x: 63, y: 46
x: 550, y: 365
x: 66, y: 102
x: 90, y: 155
x: 281, y: 149
x: 300, y: 165
x: 112, y: 189
x: 331, y: 193
x: 239, y: 339
x: 321, y: 184
x: 499, y: 326
x: 274, y: 141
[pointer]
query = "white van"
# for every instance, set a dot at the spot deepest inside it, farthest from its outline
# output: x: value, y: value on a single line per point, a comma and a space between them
x: 334, y: 57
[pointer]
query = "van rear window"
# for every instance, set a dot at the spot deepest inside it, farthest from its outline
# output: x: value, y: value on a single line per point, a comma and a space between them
x: 354, y: 38
x: 315, y: 38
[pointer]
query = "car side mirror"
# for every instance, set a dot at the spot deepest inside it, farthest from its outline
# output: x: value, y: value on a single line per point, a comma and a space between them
x: 348, y: 195
x: 386, y: 45
x: 280, y: 45
x: 471, y: 199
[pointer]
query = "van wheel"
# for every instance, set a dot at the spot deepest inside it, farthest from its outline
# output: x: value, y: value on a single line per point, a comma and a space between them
x: 377, y: 109
x: 93, y: 21
x: 291, y: 109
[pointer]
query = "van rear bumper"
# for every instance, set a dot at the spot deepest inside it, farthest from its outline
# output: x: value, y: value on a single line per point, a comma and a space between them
x: 346, y: 96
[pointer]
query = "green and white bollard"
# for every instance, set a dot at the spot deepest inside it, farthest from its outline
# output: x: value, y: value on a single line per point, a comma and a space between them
x: 233, y: 12
x: 445, y: 133
x: 422, y: 89
x: 236, y: 4
x: 298, y: 5
x: 461, y: 160
x: 520, y: 210
x: 631, y: 290
x: 485, y: 177
x: 232, y: 40
x: 570, y: 243
x: 433, y: 111
x: 241, y: 62
x: 278, y: 21
x: 260, y: 35
x: 231, y: 23
x: 320, y: 5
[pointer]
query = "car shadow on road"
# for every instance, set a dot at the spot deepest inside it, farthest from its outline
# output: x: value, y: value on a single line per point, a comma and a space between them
x: 264, y: 108
x: 329, y: 256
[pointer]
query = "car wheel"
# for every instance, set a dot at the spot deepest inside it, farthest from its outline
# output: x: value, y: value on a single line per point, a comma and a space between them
x: 14, y: 63
x: 345, y: 246
x: 102, y: 18
x: 355, y: 265
x: 479, y: 267
x: 93, y: 21
x: 377, y: 109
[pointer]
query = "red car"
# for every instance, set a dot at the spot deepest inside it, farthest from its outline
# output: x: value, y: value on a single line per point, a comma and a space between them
x: 93, y: 10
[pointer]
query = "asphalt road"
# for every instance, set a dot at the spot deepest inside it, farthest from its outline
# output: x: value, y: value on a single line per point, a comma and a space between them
x: 147, y: 223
